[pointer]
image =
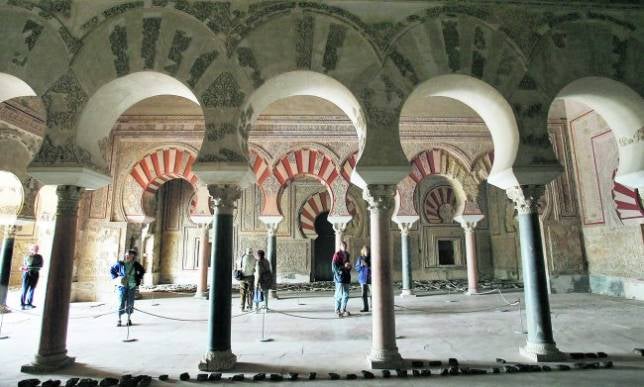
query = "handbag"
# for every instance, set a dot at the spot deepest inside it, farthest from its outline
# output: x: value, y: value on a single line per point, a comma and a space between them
x: 239, y: 275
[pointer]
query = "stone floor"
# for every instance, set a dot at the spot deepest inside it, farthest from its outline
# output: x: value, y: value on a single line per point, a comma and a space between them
x: 306, y: 337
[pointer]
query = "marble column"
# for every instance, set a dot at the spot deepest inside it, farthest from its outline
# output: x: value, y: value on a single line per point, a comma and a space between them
x: 204, y: 259
x: 540, y: 345
x: 468, y: 222
x: 219, y: 355
x: 272, y: 223
x: 5, y: 269
x: 52, y: 351
x: 384, y: 352
x: 404, y: 224
x: 339, y: 228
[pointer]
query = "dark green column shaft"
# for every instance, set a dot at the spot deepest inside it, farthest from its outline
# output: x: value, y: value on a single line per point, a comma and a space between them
x: 220, y: 290
x: 5, y: 268
x: 537, y: 305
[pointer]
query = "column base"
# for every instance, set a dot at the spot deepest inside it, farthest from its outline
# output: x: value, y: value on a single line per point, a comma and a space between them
x: 385, y: 359
x: 407, y: 293
x: 472, y: 292
x: 545, y: 352
x: 273, y: 294
x: 49, y: 363
x: 201, y: 295
x: 4, y: 309
x: 218, y: 361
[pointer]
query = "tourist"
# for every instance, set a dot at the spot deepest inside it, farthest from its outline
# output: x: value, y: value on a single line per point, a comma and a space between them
x: 30, y: 272
x: 363, y: 267
x: 341, y: 266
x: 263, y: 279
x: 246, y: 279
x: 127, y: 274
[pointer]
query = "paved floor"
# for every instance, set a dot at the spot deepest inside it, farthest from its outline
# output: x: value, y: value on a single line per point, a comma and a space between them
x: 307, y: 337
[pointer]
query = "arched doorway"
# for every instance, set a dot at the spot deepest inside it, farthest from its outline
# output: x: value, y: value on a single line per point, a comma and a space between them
x: 323, y: 248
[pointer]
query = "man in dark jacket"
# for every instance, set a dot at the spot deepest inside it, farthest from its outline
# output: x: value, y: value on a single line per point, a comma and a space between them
x: 127, y: 274
x: 30, y: 273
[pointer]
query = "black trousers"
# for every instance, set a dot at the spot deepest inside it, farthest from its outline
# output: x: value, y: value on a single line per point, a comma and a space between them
x: 365, y: 296
x: 29, y: 282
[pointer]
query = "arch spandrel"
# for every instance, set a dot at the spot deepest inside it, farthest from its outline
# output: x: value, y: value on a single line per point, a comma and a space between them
x: 31, y: 48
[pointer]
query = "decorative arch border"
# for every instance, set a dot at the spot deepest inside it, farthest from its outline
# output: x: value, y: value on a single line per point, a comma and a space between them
x: 163, y: 165
x: 307, y: 162
x: 628, y: 203
x: 348, y: 165
x: 434, y: 199
x: 316, y: 204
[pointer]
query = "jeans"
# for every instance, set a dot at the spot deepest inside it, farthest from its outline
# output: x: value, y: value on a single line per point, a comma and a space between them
x: 246, y: 286
x: 341, y: 296
x: 365, y: 296
x: 29, y: 282
x: 126, y: 300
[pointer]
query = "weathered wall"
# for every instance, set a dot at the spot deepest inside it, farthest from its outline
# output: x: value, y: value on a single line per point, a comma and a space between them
x: 613, y: 238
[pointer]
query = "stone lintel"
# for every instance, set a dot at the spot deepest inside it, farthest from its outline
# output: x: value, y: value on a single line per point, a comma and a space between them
x: 70, y: 175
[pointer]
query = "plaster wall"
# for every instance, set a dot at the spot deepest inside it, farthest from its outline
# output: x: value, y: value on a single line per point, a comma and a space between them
x: 613, y: 244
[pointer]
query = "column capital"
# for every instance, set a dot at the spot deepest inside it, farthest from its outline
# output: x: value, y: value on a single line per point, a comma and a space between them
x: 405, y: 223
x: 271, y: 222
x: 526, y: 197
x: 224, y: 197
x: 10, y: 230
x: 468, y: 222
x: 68, y: 198
x: 380, y: 196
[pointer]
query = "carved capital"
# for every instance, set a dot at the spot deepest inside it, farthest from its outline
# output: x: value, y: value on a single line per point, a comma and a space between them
x: 271, y: 223
x: 10, y: 231
x: 380, y: 197
x: 68, y: 199
x: 224, y: 197
x: 526, y: 198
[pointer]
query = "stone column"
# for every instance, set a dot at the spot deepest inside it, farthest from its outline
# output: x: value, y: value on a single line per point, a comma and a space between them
x: 52, y: 351
x: 468, y: 222
x: 540, y: 345
x: 204, y: 254
x: 272, y: 223
x: 5, y: 269
x: 404, y: 224
x: 219, y: 355
x: 384, y: 352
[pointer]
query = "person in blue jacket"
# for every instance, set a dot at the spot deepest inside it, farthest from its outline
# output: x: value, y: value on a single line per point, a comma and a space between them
x: 363, y: 267
x: 127, y: 274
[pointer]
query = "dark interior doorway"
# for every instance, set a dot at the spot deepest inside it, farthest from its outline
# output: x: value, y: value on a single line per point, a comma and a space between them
x: 324, y: 247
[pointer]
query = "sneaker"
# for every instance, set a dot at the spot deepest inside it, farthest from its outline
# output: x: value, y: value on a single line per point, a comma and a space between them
x: 31, y: 306
x: 338, y: 313
x: 364, y: 310
x: 346, y: 313
x: 118, y: 324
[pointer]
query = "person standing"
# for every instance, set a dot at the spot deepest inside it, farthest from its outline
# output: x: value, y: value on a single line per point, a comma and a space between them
x: 127, y: 274
x: 30, y: 272
x: 341, y: 266
x: 247, y: 281
x: 263, y: 279
x: 363, y: 267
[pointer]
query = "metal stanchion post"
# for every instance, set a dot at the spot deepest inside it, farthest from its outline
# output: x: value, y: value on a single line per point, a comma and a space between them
x: 264, y: 339
x: 1, y: 322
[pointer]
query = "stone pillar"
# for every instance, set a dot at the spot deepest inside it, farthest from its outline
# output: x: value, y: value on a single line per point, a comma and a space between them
x: 540, y: 345
x: 204, y: 259
x: 384, y: 352
x: 468, y: 222
x: 404, y: 224
x: 5, y: 270
x: 219, y: 355
x: 52, y: 351
x: 272, y: 223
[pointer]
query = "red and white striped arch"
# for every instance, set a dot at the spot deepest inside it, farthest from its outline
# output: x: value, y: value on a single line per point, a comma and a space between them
x: 163, y: 165
x: 436, y: 199
x: 349, y: 165
x: 260, y: 167
x: 427, y: 163
x: 308, y: 162
x: 627, y: 202
x: 316, y: 204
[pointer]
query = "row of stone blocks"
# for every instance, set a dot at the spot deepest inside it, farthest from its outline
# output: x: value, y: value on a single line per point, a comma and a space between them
x: 452, y: 369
